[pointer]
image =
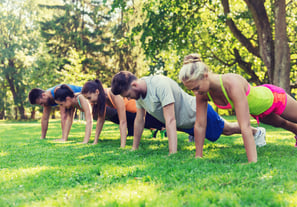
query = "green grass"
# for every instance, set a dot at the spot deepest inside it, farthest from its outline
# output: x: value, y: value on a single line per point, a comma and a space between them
x: 36, y: 172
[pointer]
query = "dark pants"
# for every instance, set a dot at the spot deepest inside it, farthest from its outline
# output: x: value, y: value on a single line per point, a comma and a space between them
x: 150, y: 121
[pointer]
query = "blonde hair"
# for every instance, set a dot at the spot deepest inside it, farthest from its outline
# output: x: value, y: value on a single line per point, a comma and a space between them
x: 193, y: 68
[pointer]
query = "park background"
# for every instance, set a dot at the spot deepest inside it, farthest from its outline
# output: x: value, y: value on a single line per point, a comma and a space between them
x: 44, y: 43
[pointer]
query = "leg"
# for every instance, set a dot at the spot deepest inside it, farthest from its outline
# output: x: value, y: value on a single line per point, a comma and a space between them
x: 279, y: 122
x: 233, y: 128
x: 112, y: 115
x: 258, y: 133
x: 130, y: 122
x: 290, y: 107
x: 152, y: 123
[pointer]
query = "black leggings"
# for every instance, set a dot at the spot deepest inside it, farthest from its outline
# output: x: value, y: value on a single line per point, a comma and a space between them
x: 150, y: 121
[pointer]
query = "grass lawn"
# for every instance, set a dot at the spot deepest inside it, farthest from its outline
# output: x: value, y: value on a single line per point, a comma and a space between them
x: 35, y: 172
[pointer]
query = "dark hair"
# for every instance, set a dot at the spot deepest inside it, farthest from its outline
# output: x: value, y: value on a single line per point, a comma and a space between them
x: 121, y: 82
x: 35, y: 94
x: 91, y: 87
x: 63, y: 91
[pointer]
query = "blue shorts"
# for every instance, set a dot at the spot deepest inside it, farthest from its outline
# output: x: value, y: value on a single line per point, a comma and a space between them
x: 214, y: 128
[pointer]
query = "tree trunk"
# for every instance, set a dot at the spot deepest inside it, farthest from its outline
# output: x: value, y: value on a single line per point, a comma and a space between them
x: 282, y: 50
x: 16, y: 113
x: 14, y: 92
x: 33, y: 113
x: 22, y: 112
x: 264, y: 31
x: 237, y: 33
x: 2, y: 114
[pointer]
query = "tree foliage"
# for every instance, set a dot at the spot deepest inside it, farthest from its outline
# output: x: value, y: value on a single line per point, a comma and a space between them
x: 247, y: 37
x: 18, y: 44
x: 76, y: 41
x: 62, y: 41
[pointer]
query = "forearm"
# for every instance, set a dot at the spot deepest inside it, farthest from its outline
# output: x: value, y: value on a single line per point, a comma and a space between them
x: 172, y: 136
x: 123, y: 132
x: 249, y: 144
x: 44, y: 121
x: 138, y: 129
x: 67, y: 127
x: 199, y: 134
x: 64, y: 117
x: 99, y: 126
x: 44, y: 127
x: 88, y: 130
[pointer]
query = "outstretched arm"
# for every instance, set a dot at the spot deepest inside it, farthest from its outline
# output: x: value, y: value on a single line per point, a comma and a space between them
x: 89, y: 121
x: 200, y: 124
x: 99, y: 126
x: 66, y: 122
x: 237, y: 95
x: 120, y: 106
x: 44, y: 120
x: 138, y: 127
x: 170, y: 123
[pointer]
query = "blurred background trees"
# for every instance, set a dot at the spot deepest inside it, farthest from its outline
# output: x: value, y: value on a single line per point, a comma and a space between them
x: 72, y: 41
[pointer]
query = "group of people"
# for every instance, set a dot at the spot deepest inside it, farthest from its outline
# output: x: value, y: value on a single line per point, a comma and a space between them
x: 94, y: 101
x: 158, y: 102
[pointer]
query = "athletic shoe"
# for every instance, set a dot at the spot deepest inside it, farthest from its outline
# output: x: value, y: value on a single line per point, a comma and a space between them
x: 191, y: 138
x: 260, y: 137
x: 163, y: 133
x: 154, y: 133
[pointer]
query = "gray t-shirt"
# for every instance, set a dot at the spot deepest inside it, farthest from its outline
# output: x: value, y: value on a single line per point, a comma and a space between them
x: 162, y: 91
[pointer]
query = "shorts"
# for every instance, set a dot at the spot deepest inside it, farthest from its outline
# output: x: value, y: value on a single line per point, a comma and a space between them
x: 214, y: 128
x: 279, y: 101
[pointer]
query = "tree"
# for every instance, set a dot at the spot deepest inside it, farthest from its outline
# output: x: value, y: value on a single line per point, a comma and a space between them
x: 75, y: 38
x: 18, y: 42
x: 247, y: 37
x: 127, y: 52
x: 275, y: 53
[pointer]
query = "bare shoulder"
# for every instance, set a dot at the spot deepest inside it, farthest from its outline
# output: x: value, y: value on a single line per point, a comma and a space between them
x: 234, y: 81
x: 233, y: 78
x: 108, y: 90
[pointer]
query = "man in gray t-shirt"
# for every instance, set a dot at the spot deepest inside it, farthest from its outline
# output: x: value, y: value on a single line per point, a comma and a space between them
x: 162, y: 91
x: 166, y: 101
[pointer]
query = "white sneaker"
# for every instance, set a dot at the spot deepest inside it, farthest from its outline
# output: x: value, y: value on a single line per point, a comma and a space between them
x: 260, y: 137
